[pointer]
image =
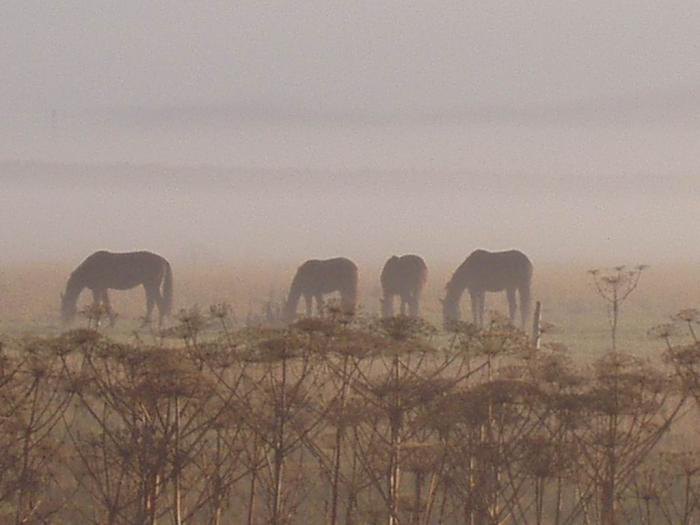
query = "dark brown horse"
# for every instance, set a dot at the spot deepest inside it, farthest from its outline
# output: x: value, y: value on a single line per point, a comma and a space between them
x: 316, y: 278
x: 103, y: 270
x: 404, y: 276
x: 483, y: 272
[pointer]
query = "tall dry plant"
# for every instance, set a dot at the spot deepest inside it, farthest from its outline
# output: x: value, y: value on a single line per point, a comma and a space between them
x: 629, y: 406
x: 33, y: 400
x: 341, y: 421
x: 494, y: 417
x: 614, y: 286
x: 145, y: 414
x: 666, y: 489
x: 398, y: 439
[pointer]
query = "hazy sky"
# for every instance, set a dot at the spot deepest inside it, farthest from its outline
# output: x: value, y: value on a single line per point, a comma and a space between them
x: 367, y: 60
x: 580, y: 120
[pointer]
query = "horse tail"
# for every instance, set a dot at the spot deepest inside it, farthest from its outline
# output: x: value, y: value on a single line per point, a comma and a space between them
x: 167, y: 290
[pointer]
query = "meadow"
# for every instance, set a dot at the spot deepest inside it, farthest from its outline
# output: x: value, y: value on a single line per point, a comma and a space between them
x: 30, y: 298
x: 222, y: 417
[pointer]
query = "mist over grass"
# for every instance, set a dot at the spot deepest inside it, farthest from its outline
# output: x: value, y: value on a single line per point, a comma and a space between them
x: 62, y: 212
x: 29, y: 299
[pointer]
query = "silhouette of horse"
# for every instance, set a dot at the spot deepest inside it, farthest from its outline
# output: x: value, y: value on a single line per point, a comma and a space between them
x: 315, y: 278
x: 120, y: 271
x: 483, y: 272
x: 404, y: 276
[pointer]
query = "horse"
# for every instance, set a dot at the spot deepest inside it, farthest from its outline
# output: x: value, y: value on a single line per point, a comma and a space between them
x: 105, y: 270
x: 483, y: 272
x: 404, y: 276
x: 315, y: 278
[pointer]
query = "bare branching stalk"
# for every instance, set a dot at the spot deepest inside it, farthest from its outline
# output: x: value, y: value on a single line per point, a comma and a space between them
x: 346, y: 422
x: 615, y: 286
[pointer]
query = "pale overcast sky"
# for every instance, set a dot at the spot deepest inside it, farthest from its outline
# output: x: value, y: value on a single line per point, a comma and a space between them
x: 575, y: 98
x: 399, y: 59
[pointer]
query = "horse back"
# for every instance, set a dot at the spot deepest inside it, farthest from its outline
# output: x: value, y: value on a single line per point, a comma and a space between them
x: 497, y: 271
x: 121, y: 271
x: 325, y: 276
x: 402, y: 274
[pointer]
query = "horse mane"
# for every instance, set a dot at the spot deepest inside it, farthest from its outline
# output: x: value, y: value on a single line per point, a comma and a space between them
x: 69, y: 298
x: 74, y: 285
x: 294, y: 294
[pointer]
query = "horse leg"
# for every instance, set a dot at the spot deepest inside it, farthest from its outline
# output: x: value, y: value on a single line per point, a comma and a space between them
x: 512, y: 304
x: 413, y: 305
x: 160, y: 303
x: 150, y: 302
x: 482, y: 306
x: 96, y: 298
x: 524, y: 293
x: 308, y: 299
x: 319, y: 304
x: 348, y: 301
x: 108, y: 307
x: 403, y: 305
x: 474, y: 296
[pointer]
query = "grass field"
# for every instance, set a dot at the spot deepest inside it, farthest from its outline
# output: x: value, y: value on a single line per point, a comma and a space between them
x: 29, y: 298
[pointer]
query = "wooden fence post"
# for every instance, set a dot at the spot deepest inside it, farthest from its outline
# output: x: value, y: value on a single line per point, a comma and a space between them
x: 536, y: 326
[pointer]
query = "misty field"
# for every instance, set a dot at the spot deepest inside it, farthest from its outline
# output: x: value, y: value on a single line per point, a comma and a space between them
x: 30, y: 299
x: 227, y: 416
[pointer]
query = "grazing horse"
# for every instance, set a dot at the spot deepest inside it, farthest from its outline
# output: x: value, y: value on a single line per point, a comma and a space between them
x: 315, y: 278
x: 404, y: 276
x: 483, y: 272
x: 103, y: 270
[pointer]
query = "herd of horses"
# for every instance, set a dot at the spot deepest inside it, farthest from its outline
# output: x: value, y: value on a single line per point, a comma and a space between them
x: 403, y: 277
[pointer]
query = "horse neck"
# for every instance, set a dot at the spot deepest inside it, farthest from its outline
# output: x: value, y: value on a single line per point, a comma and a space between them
x: 293, y: 297
x: 455, y: 289
x: 74, y: 286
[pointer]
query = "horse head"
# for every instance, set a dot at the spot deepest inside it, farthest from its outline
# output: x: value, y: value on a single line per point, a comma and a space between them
x: 288, y: 313
x: 68, y: 309
x: 387, y: 307
x: 450, y: 311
